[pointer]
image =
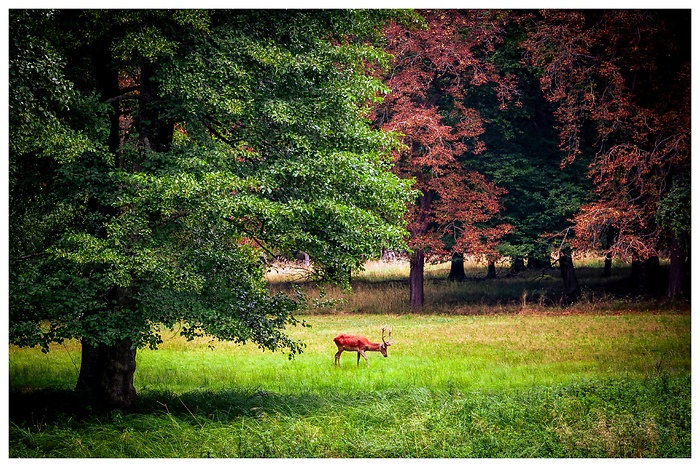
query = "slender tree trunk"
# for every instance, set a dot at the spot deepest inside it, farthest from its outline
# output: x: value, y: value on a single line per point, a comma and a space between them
x: 107, y: 374
x: 646, y: 275
x: 607, y: 268
x: 491, y: 270
x: 417, y: 261
x: 417, y: 297
x: 388, y: 255
x: 457, y: 268
x: 610, y: 235
x: 517, y: 265
x: 676, y: 277
x: 568, y: 274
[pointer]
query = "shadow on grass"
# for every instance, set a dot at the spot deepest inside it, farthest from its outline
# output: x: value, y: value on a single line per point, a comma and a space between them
x: 37, y: 407
x: 587, y: 418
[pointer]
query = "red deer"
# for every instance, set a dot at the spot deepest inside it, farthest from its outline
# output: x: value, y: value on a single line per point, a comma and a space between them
x: 359, y: 344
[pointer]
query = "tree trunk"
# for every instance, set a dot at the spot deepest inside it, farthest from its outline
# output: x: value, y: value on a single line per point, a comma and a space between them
x: 677, y: 269
x: 491, y: 270
x: 388, y: 255
x: 517, y: 265
x: 417, y: 261
x: 457, y: 268
x: 607, y: 268
x: 415, y: 280
x: 646, y: 275
x: 571, y: 287
x: 107, y: 374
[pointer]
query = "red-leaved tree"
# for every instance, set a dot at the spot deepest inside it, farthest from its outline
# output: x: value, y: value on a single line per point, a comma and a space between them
x: 430, y: 79
x: 626, y: 75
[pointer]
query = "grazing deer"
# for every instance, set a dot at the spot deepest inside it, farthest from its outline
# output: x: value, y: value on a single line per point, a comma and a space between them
x: 360, y: 345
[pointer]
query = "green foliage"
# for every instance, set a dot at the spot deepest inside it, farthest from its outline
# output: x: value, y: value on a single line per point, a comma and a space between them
x: 673, y: 210
x: 522, y: 156
x: 241, y: 135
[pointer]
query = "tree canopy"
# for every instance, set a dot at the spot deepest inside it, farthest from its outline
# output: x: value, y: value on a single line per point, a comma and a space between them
x: 157, y: 156
x: 626, y: 75
x: 433, y: 73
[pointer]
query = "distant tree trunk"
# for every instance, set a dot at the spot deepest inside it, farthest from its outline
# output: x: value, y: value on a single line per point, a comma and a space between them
x: 517, y: 264
x: 457, y: 268
x: 107, y: 374
x: 610, y: 235
x: 388, y: 255
x: 607, y: 268
x: 678, y: 267
x: 568, y: 274
x: 417, y: 261
x: 417, y: 298
x: 491, y: 270
x: 646, y: 275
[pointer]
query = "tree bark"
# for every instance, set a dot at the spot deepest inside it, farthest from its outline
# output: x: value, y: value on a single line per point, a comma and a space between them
x: 568, y: 274
x: 607, y: 268
x: 677, y: 269
x: 417, y: 262
x: 491, y: 270
x: 457, y: 268
x: 107, y: 374
x: 646, y: 275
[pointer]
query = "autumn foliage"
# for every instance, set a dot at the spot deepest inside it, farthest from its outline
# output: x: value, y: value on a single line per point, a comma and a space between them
x: 430, y: 79
x: 626, y: 75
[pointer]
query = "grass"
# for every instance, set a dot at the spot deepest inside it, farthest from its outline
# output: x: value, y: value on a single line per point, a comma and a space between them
x: 607, y: 378
x: 383, y: 288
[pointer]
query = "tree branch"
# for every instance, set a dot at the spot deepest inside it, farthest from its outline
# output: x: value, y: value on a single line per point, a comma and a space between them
x: 31, y: 255
x: 129, y: 93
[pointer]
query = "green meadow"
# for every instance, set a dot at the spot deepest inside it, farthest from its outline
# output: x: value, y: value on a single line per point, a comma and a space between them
x: 600, y: 379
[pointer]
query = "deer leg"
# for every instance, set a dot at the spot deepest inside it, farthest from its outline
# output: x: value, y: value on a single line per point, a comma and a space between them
x: 337, y: 357
x: 360, y: 352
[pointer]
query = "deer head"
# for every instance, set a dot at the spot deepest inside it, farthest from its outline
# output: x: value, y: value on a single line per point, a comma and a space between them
x: 385, y: 342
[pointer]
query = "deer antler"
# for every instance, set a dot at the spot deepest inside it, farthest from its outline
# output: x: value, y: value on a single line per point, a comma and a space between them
x: 391, y: 328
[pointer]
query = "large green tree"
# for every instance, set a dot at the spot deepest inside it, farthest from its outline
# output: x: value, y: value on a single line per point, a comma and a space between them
x: 157, y: 156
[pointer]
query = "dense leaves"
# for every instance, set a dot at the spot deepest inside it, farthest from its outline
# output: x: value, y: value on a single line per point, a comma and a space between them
x: 434, y: 70
x: 626, y: 72
x: 157, y: 157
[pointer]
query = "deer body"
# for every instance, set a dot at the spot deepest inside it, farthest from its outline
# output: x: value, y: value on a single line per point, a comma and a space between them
x: 359, y: 344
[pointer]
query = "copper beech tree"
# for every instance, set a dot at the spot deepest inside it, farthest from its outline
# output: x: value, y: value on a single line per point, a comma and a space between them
x: 624, y: 75
x: 434, y: 69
